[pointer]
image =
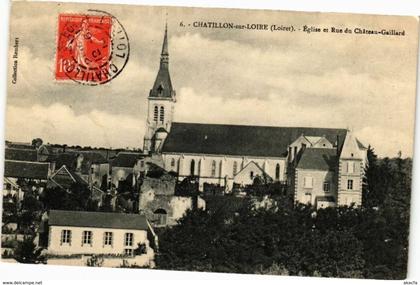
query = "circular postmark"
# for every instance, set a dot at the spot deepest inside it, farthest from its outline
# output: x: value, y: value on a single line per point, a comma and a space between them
x: 92, y: 48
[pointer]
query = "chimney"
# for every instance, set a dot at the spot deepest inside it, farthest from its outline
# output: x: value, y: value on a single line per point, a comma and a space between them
x: 79, y: 161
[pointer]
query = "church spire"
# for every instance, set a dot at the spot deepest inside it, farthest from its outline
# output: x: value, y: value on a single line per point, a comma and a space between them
x: 164, y: 56
x: 162, y: 88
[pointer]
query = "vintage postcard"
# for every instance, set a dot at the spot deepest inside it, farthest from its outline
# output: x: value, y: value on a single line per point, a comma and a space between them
x: 218, y: 140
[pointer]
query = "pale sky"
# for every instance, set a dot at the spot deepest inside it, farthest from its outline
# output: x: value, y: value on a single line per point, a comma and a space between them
x: 362, y: 82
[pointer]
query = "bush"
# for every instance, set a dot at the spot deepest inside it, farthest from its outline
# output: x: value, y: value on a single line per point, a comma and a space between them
x: 94, y: 261
x: 27, y: 252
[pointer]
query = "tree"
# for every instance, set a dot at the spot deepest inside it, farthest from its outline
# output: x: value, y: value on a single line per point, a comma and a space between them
x: 141, y: 249
x: 371, y: 195
x: 10, y: 209
x: 27, y: 252
x: 384, y: 232
x: 349, y: 242
x: 29, y: 212
x: 76, y: 198
x: 274, y: 269
x: 37, y: 142
x: 55, y: 199
x: 107, y: 204
x: 95, y: 261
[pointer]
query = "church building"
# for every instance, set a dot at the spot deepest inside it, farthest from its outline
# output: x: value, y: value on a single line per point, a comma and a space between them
x: 321, y: 166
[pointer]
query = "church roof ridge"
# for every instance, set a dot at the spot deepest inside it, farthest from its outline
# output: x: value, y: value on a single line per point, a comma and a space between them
x: 239, y: 140
x: 259, y: 126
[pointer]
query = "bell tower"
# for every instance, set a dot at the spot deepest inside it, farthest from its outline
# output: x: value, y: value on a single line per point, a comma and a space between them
x: 161, y: 103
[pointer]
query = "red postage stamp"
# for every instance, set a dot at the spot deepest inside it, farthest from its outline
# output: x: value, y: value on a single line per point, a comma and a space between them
x: 84, y: 48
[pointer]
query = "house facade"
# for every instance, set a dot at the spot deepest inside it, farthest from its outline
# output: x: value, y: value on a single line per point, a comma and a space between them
x: 316, y: 178
x: 72, y: 232
x: 329, y: 176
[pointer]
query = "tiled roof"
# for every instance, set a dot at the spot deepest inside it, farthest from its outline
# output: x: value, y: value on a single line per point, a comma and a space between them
x: 97, y: 220
x: 65, y: 177
x: 318, y: 159
x: 360, y: 145
x: 21, y: 154
x: 240, y: 139
x: 69, y: 159
x: 126, y: 159
x: 162, y: 88
x: 26, y: 169
x: 155, y: 171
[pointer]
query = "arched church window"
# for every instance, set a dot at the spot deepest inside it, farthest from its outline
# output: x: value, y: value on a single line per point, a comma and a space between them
x: 277, y: 171
x: 235, y: 167
x: 162, y: 114
x: 172, y: 163
x: 192, y: 167
x: 213, y: 168
x: 156, y: 113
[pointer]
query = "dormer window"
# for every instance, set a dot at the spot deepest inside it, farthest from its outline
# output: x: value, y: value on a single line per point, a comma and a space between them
x: 160, y: 89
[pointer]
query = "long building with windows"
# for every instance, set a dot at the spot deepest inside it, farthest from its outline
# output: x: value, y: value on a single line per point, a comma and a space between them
x: 321, y: 166
x: 77, y: 232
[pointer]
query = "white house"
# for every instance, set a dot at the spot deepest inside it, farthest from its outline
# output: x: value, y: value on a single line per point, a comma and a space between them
x: 74, y: 232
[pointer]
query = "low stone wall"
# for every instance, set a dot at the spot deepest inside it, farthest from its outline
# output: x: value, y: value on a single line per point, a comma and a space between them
x: 144, y: 260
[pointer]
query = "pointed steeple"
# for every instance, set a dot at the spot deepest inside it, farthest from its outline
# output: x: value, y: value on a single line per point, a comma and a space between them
x: 165, y: 52
x: 162, y: 88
